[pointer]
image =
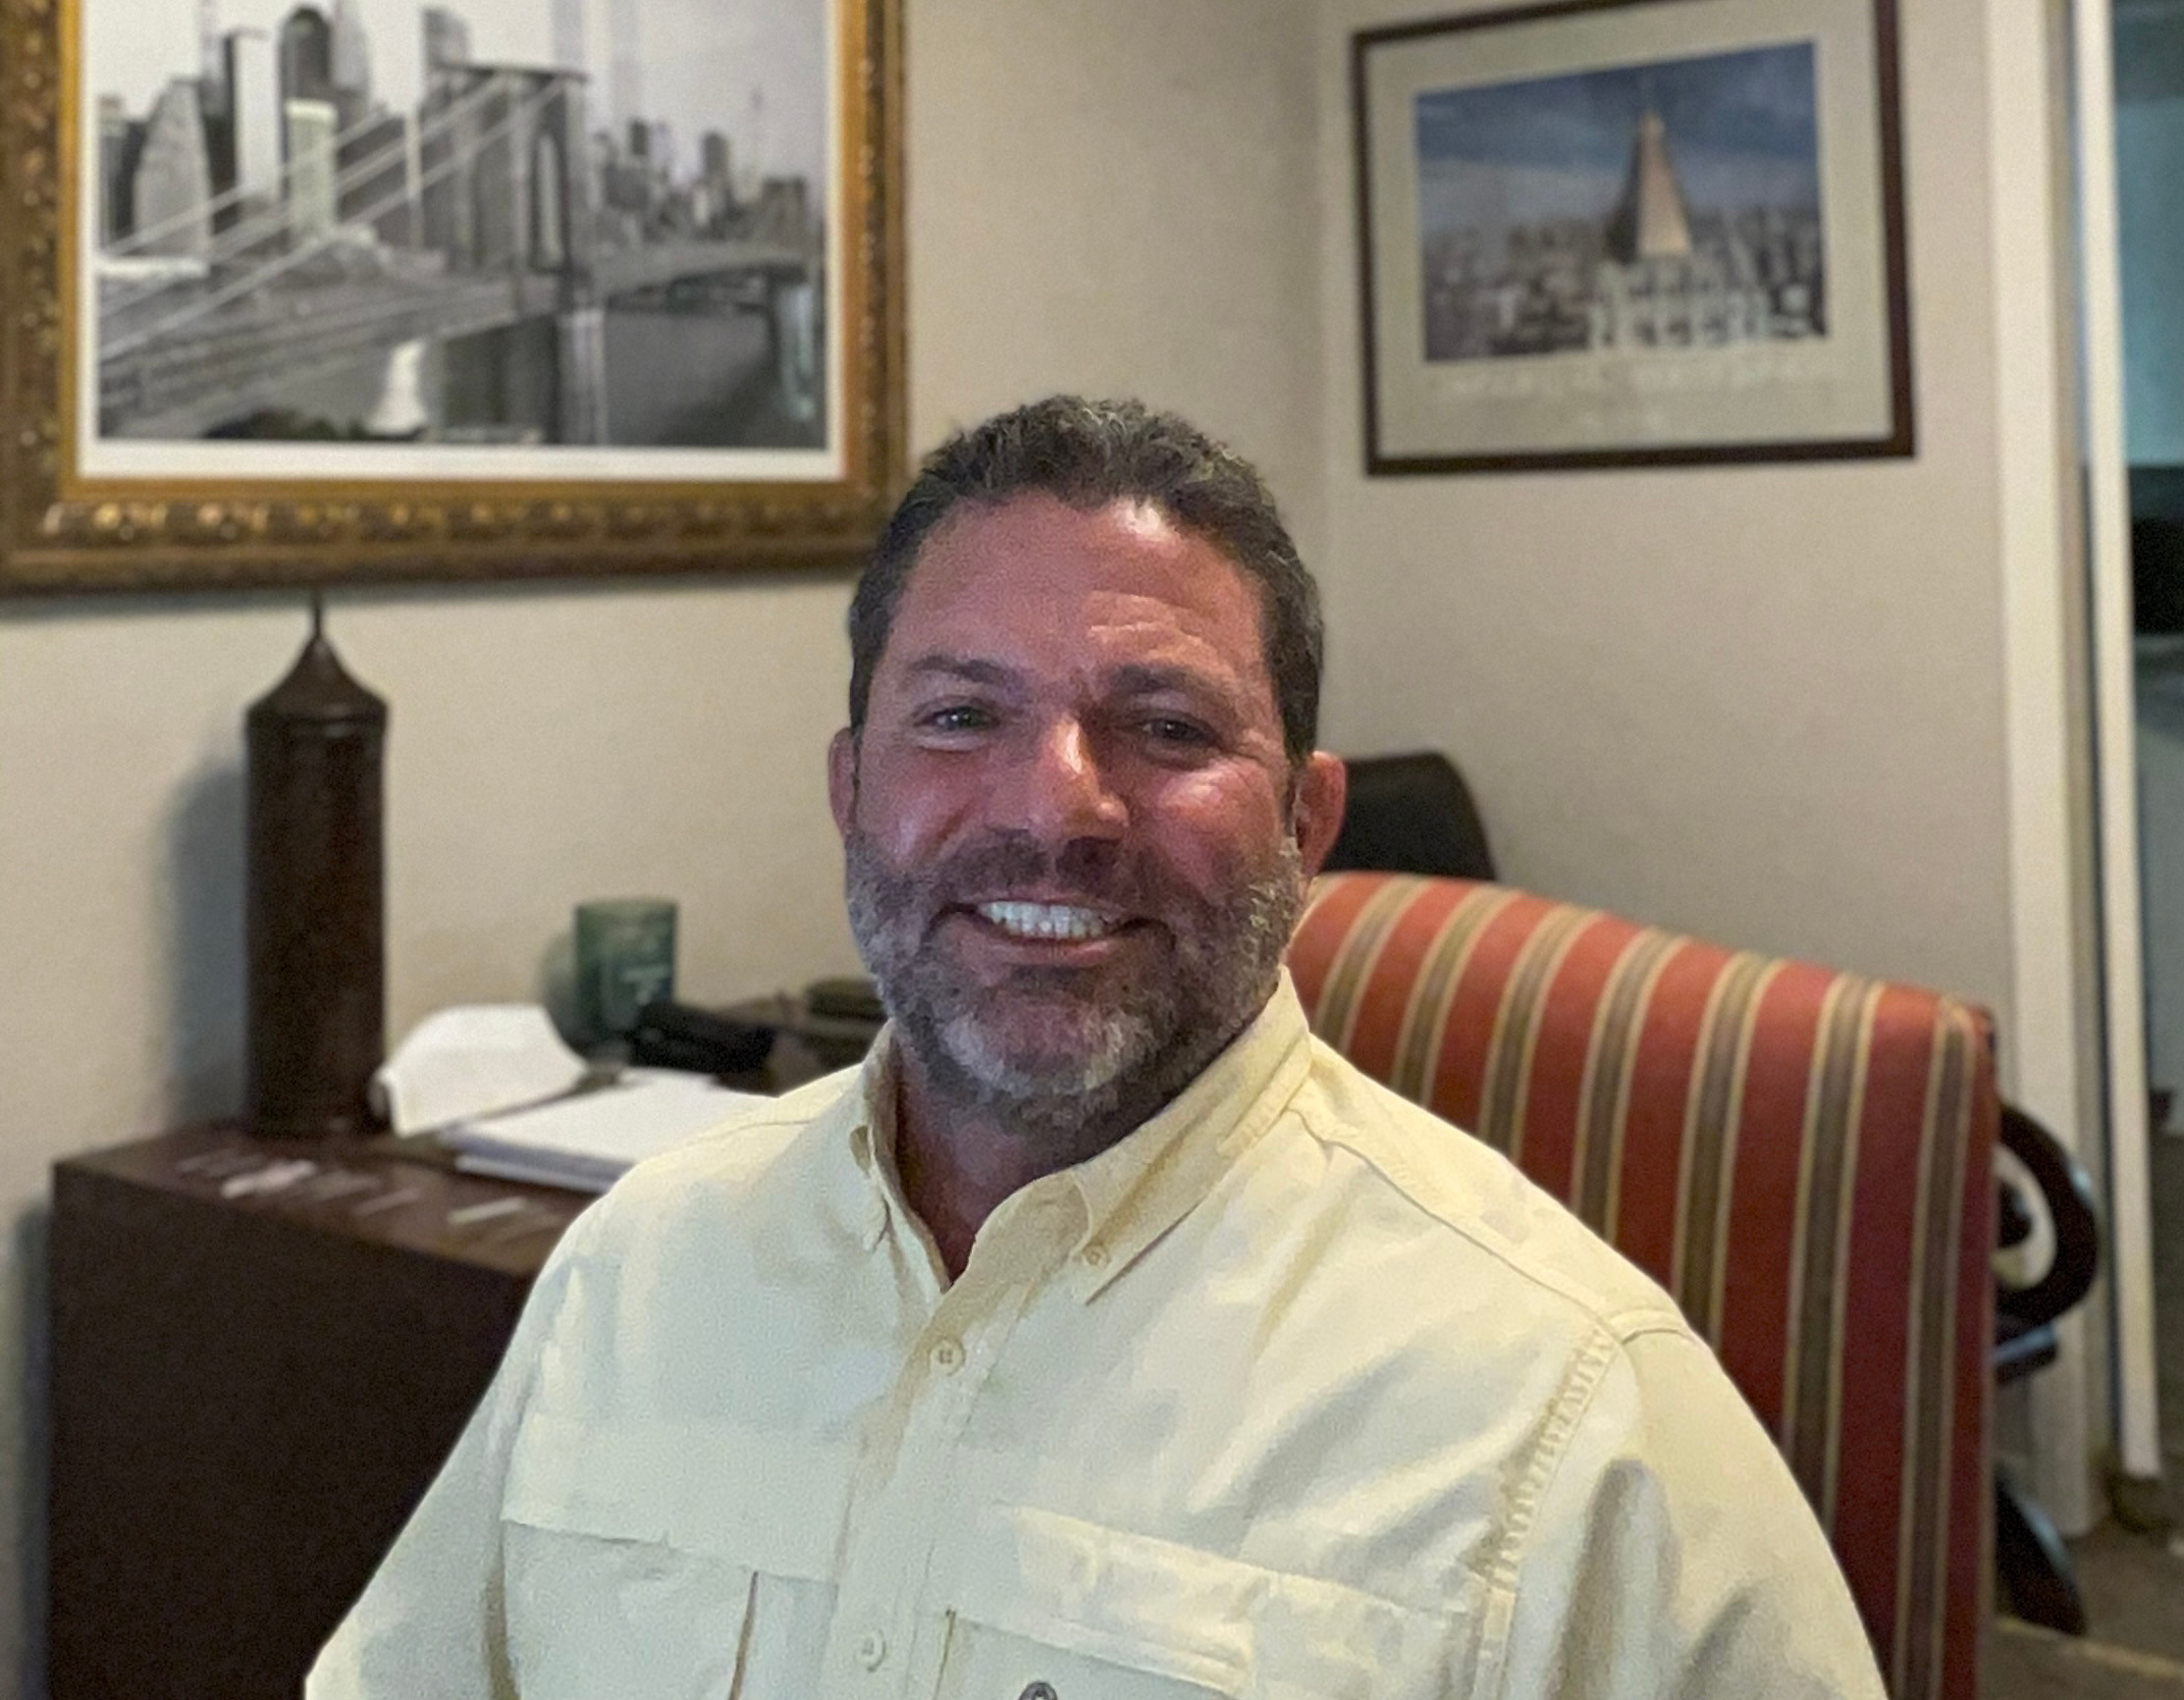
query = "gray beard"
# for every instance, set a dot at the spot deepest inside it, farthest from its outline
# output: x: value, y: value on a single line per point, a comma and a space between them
x: 1109, y: 1050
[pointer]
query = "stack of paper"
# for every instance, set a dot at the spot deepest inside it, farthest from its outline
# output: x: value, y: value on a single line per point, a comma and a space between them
x: 587, y: 1142
x: 472, y: 1061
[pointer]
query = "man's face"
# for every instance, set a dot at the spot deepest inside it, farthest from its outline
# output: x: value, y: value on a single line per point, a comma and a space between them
x: 1076, y: 846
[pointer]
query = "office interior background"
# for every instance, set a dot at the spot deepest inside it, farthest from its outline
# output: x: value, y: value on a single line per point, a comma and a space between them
x: 1785, y: 707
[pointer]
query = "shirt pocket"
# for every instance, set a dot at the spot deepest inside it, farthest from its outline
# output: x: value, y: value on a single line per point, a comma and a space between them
x: 631, y: 1568
x: 1047, y: 1607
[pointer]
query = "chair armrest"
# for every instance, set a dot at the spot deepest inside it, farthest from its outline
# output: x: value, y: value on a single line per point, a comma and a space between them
x: 2068, y: 1193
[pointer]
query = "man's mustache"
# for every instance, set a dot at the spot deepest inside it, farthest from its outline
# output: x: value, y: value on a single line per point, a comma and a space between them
x: 1087, y: 869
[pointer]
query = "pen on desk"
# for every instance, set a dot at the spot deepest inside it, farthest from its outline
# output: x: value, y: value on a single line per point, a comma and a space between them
x: 487, y: 1211
x: 540, y: 1221
x: 273, y: 1178
x: 339, y: 1184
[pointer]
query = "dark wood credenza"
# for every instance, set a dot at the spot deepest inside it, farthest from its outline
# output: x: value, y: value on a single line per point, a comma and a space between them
x: 251, y: 1390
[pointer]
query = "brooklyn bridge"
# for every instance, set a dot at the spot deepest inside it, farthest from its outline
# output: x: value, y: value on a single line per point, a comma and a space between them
x: 480, y: 215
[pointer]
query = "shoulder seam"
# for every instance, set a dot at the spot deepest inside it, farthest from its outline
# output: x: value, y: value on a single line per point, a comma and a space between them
x: 1391, y: 1168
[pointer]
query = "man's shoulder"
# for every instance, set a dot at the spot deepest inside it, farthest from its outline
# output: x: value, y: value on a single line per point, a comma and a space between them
x: 1485, y: 1223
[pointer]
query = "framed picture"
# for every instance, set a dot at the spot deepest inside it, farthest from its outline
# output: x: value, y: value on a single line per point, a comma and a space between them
x: 1633, y: 233
x: 305, y: 290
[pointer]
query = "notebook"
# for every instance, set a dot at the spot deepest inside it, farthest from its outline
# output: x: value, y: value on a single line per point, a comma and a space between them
x: 588, y: 1142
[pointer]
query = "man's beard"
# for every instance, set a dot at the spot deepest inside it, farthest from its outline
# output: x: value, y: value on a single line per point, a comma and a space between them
x: 1058, y: 1052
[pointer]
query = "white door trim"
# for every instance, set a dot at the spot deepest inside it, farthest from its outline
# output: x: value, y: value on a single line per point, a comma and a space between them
x: 2108, y: 535
x: 2040, y: 1050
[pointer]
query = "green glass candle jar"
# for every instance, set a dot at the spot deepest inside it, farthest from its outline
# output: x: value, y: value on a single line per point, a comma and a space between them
x: 625, y: 957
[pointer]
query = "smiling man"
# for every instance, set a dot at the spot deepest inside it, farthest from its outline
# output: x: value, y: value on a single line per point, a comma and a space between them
x: 1104, y: 1337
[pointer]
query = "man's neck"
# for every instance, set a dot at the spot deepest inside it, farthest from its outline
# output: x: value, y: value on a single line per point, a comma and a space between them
x: 957, y: 1160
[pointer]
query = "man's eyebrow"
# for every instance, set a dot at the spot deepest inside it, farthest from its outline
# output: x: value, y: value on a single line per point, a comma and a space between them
x: 968, y: 669
x: 1149, y: 678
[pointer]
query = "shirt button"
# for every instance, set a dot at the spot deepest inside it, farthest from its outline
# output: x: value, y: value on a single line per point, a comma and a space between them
x: 948, y: 1356
x: 1095, y: 1255
x: 872, y: 1649
x: 1038, y: 1691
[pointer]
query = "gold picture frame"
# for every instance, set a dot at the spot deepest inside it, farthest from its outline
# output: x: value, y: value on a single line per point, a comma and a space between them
x: 94, y: 497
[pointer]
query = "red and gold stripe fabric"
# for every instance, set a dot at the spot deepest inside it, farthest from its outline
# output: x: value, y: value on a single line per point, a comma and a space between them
x: 1801, y: 1157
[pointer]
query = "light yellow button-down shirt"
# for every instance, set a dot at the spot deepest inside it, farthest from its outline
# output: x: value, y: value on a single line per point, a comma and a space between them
x: 1294, y: 1392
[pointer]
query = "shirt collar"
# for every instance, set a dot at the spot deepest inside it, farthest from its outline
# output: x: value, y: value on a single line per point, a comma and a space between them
x: 1140, y: 1186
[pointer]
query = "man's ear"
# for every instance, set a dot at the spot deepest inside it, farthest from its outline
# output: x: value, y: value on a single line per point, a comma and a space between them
x: 841, y: 779
x: 1322, y: 788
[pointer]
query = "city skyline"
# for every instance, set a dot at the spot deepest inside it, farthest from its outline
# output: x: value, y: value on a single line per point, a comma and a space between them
x: 699, y: 61
x: 1745, y: 129
x: 285, y: 251
x: 1662, y: 205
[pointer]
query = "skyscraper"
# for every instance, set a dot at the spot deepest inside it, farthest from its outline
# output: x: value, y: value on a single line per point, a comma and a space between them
x: 310, y: 137
x: 254, y: 112
x: 446, y: 41
x: 113, y: 170
x: 349, y: 63
x: 173, y: 177
x: 568, y: 35
x: 1650, y: 223
x: 212, y: 61
x: 627, y: 77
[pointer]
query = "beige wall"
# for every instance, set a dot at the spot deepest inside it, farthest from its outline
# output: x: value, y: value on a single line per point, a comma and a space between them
x: 1106, y: 194
x: 1763, y: 703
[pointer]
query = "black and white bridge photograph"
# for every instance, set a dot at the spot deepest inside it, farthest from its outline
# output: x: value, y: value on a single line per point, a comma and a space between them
x: 593, y: 223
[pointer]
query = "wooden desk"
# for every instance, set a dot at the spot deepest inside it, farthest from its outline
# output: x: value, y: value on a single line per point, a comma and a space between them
x: 250, y: 1392
x: 253, y: 1390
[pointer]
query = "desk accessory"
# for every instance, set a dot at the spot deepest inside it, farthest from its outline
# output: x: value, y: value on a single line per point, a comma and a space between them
x: 850, y: 997
x: 676, y: 1035
x: 316, y: 904
x: 625, y: 959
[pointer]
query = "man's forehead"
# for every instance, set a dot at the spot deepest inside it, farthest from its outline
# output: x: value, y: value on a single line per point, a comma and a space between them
x: 1099, y: 588
x: 1116, y: 678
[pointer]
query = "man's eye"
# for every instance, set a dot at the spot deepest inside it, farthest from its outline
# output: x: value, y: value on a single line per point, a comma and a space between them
x: 959, y: 718
x: 1181, y: 734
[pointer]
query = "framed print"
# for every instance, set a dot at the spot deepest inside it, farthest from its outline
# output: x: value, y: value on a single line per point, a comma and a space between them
x: 307, y: 291
x: 1633, y: 233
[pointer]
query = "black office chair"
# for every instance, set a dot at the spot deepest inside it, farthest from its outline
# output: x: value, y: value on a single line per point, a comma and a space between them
x: 1411, y: 814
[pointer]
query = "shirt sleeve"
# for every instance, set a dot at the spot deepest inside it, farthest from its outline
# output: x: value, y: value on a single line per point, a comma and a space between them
x: 1672, y: 1556
x: 429, y: 1625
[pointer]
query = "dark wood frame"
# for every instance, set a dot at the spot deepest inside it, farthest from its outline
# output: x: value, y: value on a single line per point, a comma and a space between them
x: 61, y: 531
x: 1900, y: 440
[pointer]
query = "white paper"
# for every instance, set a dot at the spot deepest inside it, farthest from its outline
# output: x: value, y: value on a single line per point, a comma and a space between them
x: 589, y: 1141
x: 473, y: 1060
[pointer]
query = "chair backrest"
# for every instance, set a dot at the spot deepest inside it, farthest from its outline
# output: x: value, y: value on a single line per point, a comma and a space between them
x: 1413, y: 813
x: 1802, y: 1157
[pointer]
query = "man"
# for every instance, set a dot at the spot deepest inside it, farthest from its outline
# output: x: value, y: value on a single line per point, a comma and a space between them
x: 1104, y: 1336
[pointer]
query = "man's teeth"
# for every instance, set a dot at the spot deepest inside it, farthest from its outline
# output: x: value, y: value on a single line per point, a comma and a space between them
x: 1047, y: 920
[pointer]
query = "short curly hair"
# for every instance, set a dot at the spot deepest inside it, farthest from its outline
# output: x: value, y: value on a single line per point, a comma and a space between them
x: 1087, y: 454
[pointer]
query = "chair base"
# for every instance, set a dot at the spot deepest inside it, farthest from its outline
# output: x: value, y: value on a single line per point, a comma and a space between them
x: 2037, y: 1571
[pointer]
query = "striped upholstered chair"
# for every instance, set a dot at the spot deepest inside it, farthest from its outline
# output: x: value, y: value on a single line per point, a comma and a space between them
x: 1803, y: 1158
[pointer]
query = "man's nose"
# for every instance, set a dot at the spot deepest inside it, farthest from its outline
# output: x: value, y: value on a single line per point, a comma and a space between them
x: 1061, y: 790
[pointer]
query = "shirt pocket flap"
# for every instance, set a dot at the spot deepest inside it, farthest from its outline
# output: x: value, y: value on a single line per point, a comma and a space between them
x: 1237, y: 1629
x: 775, y: 1503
